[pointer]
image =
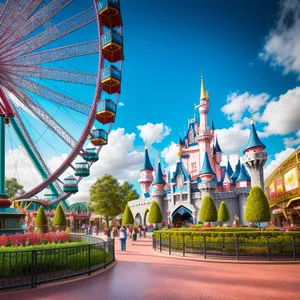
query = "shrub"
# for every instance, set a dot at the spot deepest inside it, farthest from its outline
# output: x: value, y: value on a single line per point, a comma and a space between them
x: 59, y: 216
x: 257, y: 206
x: 208, y: 211
x: 127, y: 217
x: 155, y: 215
x: 223, y: 213
x: 41, y: 221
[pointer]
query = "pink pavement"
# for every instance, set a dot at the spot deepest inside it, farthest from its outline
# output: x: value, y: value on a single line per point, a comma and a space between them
x: 142, y: 274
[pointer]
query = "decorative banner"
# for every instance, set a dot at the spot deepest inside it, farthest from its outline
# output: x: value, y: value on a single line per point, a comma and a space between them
x: 272, y: 191
x: 279, y: 186
x: 290, y: 180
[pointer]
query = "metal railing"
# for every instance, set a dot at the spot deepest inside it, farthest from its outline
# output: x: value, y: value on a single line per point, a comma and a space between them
x: 236, y: 250
x: 32, y: 267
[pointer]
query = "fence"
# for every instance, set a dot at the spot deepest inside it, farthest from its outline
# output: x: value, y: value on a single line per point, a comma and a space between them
x: 237, y: 250
x: 31, y: 267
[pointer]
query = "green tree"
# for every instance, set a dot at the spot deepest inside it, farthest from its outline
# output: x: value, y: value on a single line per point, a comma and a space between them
x: 13, y: 188
x: 257, y: 206
x: 107, y: 198
x: 223, y: 213
x: 129, y: 193
x: 208, y: 211
x: 155, y: 215
x: 128, y: 216
x: 41, y: 221
x: 59, y: 216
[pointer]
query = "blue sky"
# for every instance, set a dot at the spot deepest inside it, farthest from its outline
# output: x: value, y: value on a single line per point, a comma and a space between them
x: 247, y: 51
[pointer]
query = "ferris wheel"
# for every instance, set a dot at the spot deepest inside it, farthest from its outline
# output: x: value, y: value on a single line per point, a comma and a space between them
x: 60, y: 78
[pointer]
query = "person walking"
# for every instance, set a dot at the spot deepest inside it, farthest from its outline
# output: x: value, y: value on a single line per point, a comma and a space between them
x: 123, y: 237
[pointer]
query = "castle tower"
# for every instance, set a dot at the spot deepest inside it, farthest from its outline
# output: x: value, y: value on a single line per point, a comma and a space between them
x: 158, y: 190
x: 146, y: 175
x: 206, y: 135
x: 207, y: 185
x: 218, y: 159
x: 255, y: 157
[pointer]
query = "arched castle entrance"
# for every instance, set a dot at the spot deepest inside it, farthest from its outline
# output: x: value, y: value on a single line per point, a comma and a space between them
x: 138, y: 219
x: 146, y: 216
x: 182, y: 215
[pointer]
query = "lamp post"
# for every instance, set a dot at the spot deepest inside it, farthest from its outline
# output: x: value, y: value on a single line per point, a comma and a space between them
x: 195, y: 217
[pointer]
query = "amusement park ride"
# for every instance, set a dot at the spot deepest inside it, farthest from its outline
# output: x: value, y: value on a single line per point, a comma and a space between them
x: 27, y: 33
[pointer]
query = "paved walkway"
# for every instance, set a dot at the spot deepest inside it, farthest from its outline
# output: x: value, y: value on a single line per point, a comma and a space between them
x: 141, y: 274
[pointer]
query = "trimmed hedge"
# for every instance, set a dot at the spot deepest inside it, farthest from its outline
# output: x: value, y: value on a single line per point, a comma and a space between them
x: 127, y: 217
x: 208, y: 211
x: 155, y: 214
x: 68, y: 256
x: 41, y: 221
x: 223, y: 213
x: 59, y: 217
x: 250, y: 243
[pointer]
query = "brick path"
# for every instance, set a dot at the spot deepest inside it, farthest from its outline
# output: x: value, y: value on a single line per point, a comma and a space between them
x: 141, y: 274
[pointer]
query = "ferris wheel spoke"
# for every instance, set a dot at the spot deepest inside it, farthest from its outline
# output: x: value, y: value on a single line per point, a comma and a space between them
x: 55, y: 74
x: 37, y: 158
x: 43, y: 116
x: 40, y: 18
x: 60, y: 53
x: 49, y: 94
x: 54, y: 33
x: 19, y: 19
x: 10, y: 8
x: 1, y: 8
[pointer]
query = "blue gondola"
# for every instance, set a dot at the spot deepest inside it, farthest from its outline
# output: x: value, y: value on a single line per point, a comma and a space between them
x: 106, y: 111
x: 111, y: 79
x: 99, y: 137
x: 90, y: 154
x: 70, y: 185
x: 109, y: 12
x: 112, y: 46
x: 82, y: 169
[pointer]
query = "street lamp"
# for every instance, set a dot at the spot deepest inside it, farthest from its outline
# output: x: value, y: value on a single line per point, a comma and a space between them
x: 169, y: 219
x: 195, y: 216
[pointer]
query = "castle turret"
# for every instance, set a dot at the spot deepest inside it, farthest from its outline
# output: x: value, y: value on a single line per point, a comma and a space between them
x: 218, y: 152
x: 180, y: 145
x: 243, y: 178
x: 158, y: 189
x: 207, y: 185
x: 227, y: 178
x: 255, y: 157
x: 236, y: 173
x: 146, y: 177
x: 206, y: 135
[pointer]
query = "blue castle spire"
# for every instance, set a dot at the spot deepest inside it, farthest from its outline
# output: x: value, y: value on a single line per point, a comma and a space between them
x: 206, y: 167
x: 147, y: 164
x: 236, y: 173
x: 159, y: 175
x: 243, y: 176
x: 254, y: 140
x: 218, y: 149
x: 229, y: 168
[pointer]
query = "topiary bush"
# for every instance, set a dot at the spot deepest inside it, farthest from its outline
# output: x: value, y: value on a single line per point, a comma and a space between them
x: 257, y: 206
x: 155, y: 215
x: 59, y: 219
x: 208, y: 211
x: 127, y: 217
x: 41, y: 222
x: 223, y: 213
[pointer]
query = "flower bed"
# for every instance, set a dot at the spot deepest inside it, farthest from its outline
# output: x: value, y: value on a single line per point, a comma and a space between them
x: 30, y: 239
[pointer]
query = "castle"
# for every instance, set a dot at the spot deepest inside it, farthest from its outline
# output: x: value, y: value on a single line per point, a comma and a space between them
x: 199, y: 173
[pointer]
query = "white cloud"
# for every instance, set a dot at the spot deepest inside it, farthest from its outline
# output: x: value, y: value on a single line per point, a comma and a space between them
x: 292, y: 141
x: 282, y: 46
x: 170, y: 155
x: 233, y: 139
x: 279, y: 158
x: 282, y: 115
x: 153, y: 133
x: 121, y: 104
x: 238, y: 104
x: 233, y: 158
